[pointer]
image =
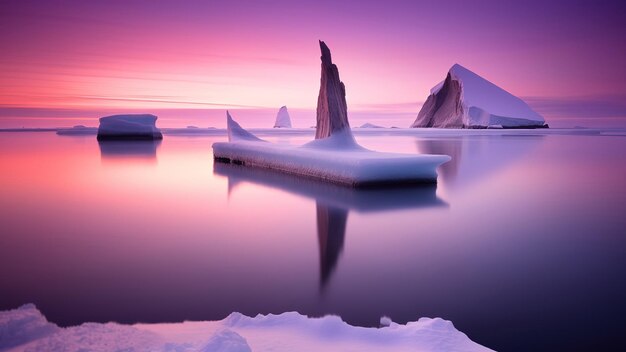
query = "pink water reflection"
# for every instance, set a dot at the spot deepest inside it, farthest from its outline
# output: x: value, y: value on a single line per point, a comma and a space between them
x: 515, y: 225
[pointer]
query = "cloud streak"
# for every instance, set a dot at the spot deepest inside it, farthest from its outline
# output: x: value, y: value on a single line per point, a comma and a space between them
x: 588, y: 107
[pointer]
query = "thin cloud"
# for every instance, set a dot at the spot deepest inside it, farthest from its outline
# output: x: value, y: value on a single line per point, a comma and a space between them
x: 590, y: 106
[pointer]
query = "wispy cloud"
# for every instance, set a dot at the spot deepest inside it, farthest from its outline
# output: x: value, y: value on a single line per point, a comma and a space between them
x: 589, y: 106
x: 411, y: 106
x: 166, y: 101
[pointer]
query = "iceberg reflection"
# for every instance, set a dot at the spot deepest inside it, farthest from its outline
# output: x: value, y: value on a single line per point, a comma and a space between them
x: 474, y: 157
x: 144, y: 150
x: 334, y: 203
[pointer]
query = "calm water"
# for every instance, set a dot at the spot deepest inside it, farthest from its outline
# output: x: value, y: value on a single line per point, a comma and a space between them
x: 522, y: 244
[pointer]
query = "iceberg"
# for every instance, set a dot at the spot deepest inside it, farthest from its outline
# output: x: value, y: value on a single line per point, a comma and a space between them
x: 370, y: 125
x: 78, y: 130
x: 129, y: 127
x: 26, y: 329
x: 282, y: 118
x: 334, y: 155
x: 466, y: 100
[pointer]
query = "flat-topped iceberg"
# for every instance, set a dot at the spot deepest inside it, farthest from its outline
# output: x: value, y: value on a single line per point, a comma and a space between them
x: 129, y: 127
x: 466, y: 100
x: 334, y: 155
x: 26, y: 329
x: 282, y: 118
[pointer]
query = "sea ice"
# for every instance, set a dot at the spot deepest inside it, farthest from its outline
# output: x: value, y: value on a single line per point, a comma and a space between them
x: 337, y: 159
x: 334, y: 155
x: 129, y: 127
x: 282, y: 118
x: 466, y: 100
x: 22, y: 325
x: 26, y: 329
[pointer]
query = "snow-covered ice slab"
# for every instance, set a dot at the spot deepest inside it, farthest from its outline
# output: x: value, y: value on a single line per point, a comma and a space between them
x: 129, y: 127
x: 334, y: 155
x: 338, y: 159
x: 26, y: 329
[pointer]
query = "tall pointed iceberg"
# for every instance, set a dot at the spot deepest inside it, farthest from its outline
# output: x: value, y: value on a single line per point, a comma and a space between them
x: 334, y: 156
x: 282, y: 118
x: 466, y: 100
x: 332, y: 110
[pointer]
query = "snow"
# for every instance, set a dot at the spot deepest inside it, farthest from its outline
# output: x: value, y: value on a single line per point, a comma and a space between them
x: 485, y: 104
x: 22, y: 325
x: 282, y: 118
x: 78, y: 130
x: 237, y: 333
x: 134, y: 126
x: 337, y: 159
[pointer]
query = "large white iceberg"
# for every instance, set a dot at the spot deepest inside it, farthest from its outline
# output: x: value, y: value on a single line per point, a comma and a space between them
x: 236, y: 333
x: 129, y: 127
x: 334, y: 156
x: 282, y: 118
x: 466, y: 100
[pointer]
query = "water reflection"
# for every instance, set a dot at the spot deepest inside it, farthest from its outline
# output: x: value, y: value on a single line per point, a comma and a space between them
x: 474, y: 157
x: 333, y: 204
x: 452, y: 147
x: 135, y: 150
x: 331, y: 232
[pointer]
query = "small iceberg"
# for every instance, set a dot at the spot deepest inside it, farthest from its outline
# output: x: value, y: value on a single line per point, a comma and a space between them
x: 334, y: 155
x: 78, y: 130
x: 370, y: 125
x: 282, y: 118
x: 129, y: 127
x: 466, y: 100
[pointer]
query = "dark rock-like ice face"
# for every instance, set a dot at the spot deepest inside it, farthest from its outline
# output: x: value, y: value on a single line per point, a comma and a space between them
x: 332, y: 110
x: 442, y: 109
x: 467, y: 100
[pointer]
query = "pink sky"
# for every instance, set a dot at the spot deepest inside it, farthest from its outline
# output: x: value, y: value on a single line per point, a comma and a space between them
x: 143, y: 55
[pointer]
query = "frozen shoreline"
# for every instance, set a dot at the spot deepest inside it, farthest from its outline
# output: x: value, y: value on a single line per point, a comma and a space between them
x: 26, y: 329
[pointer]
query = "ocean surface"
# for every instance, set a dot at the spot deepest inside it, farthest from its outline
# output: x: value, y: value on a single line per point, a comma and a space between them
x: 521, y: 244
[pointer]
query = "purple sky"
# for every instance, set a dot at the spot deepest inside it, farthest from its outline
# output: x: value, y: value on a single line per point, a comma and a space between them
x: 87, y: 58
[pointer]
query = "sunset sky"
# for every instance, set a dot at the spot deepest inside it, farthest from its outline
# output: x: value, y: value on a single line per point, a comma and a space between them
x: 189, y: 61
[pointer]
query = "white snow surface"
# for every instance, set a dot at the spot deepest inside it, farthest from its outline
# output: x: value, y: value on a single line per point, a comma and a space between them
x: 282, y: 118
x: 237, y: 333
x: 486, y: 104
x: 337, y: 159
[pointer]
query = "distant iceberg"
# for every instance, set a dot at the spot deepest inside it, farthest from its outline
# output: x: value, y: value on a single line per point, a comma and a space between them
x: 129, y: 127
x: 334, y: 155
x: 466, y: 100
x: 370, y: 125
x: 77, y: 130
x: 26, y: 329
x: 282, y: 118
